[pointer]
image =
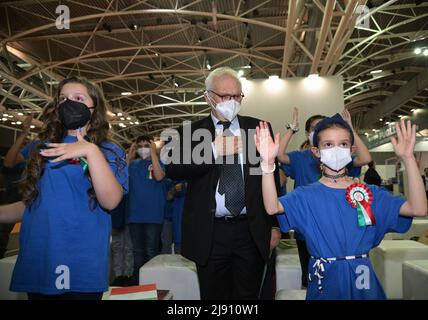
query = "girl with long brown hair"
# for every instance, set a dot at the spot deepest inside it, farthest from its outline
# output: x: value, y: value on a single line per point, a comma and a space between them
x: 74, y: 177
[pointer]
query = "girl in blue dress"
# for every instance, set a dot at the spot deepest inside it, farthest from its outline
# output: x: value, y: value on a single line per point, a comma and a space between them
x: 304, y: 168
x: 74, y: 177
x: 342, y: 220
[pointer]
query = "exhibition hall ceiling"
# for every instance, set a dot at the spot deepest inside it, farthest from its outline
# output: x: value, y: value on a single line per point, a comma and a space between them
x: 151, y: 57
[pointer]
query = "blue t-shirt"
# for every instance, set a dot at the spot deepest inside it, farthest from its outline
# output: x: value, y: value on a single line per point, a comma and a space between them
x: 304, y: 168
x: 64, y: 243
x: 147, y: 197
x: 330, y: 226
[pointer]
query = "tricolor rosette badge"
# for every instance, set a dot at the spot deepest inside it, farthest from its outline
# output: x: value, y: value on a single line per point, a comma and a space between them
x: 149, y: 172
x: 360, y: 197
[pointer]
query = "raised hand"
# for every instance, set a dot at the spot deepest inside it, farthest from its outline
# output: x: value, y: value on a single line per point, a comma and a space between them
x: 267, y: 147
x: 64, y: 151
x: 131, y: 151
x: 404, y: 143
x: 153, y: 147
x: 27, y: 123
x: 295, y: 122
x: 347, y: 117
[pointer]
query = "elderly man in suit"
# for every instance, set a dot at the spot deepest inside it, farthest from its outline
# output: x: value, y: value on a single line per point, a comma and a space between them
x: 225, y: 228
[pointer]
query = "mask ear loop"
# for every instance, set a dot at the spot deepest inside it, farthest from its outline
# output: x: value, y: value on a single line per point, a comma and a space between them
x: 211, y: 100
x: 321, y: 170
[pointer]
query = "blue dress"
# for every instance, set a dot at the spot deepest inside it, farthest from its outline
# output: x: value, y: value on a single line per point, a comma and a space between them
x: 64, y: 243
x: 330, y: 226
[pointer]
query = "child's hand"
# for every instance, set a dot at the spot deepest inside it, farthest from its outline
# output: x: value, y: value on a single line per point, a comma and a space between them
x: 275, y: 238
x: 267, y: 148
x: 153, y: 147
x: 405, y: 141
x: 295, y: 121
x: 64, y: 151
x: 27, y: 123
x: 131, y: 151
x: 347, y: 117
x: 178, y: 187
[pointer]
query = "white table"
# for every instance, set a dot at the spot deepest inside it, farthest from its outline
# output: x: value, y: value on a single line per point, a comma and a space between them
x: 288, y: 270
x: 415, y: 280
x: 388, y: 259
x: 172, y: 272
x: 418, y: 226
x: 6, y: 269
x: 293, y: 294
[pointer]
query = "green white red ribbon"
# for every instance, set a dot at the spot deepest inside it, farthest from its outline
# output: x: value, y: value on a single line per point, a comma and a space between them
x: 360, y: 197
x: 84, y: 164
x: 149, y: 172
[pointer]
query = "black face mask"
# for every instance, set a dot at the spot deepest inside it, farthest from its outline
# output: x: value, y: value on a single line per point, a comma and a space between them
x: 74, y: 114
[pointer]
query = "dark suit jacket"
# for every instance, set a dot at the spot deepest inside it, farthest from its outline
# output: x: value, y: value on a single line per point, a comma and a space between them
x: 372, y: 177
x: 200, y: 204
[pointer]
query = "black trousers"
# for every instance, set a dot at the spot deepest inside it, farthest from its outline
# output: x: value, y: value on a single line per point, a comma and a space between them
x: 304, y: 257
x: 235, y: 266
x: 66, y: 296
x: 268, y: 290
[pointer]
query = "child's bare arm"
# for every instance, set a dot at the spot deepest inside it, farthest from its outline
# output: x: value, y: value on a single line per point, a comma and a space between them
x: 283, y: 144
x: 268, y: 150
x: 12, y: 213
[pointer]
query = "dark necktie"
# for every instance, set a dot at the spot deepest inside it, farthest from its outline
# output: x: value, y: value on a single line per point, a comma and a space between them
x: 231, y: 182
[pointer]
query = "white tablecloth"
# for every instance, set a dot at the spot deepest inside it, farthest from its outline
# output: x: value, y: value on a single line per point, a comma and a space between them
x: 288, y: 271
x: 293, y: 294
x: 415, y: 280
x: 172, y: 272
x: 387, y: 260
x: 6, y: 268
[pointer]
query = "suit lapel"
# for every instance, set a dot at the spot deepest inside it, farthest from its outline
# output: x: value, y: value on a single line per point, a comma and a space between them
x: 207, y: 123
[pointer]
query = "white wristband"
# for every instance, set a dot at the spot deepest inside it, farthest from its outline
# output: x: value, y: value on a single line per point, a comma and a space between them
x: 267, y: 171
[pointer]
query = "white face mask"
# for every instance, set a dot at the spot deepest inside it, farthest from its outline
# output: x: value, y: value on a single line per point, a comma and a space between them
x: 336, y: 158
x: 311, y: 138
x: 228, y: 109
x: 144, y: 153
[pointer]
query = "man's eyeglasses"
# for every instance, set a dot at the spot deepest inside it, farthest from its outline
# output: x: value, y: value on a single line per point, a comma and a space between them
x: 227, y: 97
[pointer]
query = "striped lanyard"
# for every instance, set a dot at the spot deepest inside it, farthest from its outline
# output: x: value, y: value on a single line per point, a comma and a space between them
x: 319, y: 268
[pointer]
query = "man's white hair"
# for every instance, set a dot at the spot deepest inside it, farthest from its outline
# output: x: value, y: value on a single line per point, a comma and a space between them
x: 219, y: 72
